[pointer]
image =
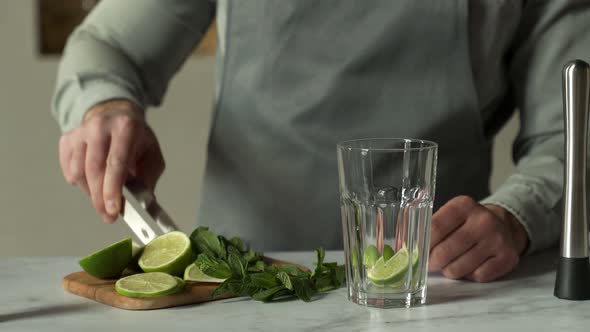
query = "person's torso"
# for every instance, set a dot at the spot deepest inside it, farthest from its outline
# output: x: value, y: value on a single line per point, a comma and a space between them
x: 296, y: 77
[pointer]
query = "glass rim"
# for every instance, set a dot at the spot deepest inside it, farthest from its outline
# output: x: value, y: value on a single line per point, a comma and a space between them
x: 428, y: 145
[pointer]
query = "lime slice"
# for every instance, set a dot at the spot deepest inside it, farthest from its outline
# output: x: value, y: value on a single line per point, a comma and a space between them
x: 180, y: 285
x: 150, y: 284
x: 193, y: 273
x: 370, y: 256
x: 170, y: 253
x: 390, y: 271
x: 109, y: 262
x: 388, y: 252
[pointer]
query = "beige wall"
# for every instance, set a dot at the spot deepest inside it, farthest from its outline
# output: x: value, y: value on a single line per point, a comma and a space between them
x: 41, y: 215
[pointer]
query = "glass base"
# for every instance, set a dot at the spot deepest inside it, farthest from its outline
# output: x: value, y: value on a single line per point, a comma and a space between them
x: 385, y: 300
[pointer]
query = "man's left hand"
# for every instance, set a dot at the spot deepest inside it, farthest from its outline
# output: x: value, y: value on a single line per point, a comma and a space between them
x: 476, y: 242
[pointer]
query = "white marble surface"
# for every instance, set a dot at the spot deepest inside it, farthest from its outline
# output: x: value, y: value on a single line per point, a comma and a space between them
x: 32, y: 300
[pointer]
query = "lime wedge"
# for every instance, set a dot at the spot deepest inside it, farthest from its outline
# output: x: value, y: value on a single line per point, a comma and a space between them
x: 193, y: 273
x: 150, y: 284
x: 170, y: 253
x: 394, y: 271
x: 354, y: 257
x: 390, y: 271
x: 109, y: 262
x: 370, y: 256
x: 388, y: 252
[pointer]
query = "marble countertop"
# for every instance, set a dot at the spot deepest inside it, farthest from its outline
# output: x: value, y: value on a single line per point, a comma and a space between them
x: 32, y: 300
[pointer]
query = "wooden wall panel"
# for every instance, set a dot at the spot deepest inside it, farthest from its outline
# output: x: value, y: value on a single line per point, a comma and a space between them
x: 58, y: 18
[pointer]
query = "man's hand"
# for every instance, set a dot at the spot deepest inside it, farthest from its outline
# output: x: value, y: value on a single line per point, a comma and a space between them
x: 476, y: 242
x: 113, y: 142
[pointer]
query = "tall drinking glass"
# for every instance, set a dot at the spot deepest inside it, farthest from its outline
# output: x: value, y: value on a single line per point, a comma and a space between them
x: 386, y: 196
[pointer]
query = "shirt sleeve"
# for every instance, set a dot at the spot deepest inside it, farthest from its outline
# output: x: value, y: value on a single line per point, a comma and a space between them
x: 551, y: 34
x: 126, y: 49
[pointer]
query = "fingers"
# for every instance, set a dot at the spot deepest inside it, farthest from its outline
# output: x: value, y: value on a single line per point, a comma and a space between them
x: 494, y: 267
x: 77, y: 166
x: 455, y: 245
x: 97, y: 149
x: 150, y: 165
x: 482, y: 248
x: 450, y: 217
x: 72, y: 152
x: 65, y: 155
x: 117, y: 164
x: 468, y: 262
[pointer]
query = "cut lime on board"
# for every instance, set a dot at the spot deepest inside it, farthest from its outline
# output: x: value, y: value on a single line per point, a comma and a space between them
x: 393, y: 270
x: 170, y: 253
x: 193, y: 273
x: 370, y: 256
x: 109, y: 262
x: 151, y: 284
x: 181, y: 284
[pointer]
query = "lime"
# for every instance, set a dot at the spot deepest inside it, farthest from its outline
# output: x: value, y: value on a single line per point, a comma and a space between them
x: 150, y: 284
x: 390, y: 271
x: 180, y: 285
x: 136, y: 251
x: 388, y: 252
x: 170, y: 253
x: 393, y: 271
x: 370, y: 256
x: 193, y: 273
x: 108, y: 262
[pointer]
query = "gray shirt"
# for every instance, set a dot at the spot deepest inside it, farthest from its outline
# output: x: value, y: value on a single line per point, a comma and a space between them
x: 295, y: 77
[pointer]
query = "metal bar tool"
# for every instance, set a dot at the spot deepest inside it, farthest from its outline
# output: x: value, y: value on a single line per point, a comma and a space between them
x: 573, y: 272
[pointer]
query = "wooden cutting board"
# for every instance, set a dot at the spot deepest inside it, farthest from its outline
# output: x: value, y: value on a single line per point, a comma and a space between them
x: 103, y: 291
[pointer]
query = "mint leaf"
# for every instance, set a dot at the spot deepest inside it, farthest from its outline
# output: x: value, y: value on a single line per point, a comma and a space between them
x: 324, y: 283
x: 246, y: 273
x: 213, y: 267
x: 339, y: 275
x: 267, y: 294
x: 235, y: 263
x: 321, y: 254
x: 206, y: 242
x: 264, y: 280
x: 303, y: 289
x: 282, y: 293
x: 233, y: 250
x: 259, y: 266
x: 223, y: 289
x: 252, y: 256
x: 293, y: 270
x: 237, y: 243
x: 285, y: 280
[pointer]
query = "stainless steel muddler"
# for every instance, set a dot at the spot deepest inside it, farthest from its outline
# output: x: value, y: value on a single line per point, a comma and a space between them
x: 572, y: 281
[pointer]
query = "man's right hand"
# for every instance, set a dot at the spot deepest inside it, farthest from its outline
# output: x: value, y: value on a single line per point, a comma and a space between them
x: 112, y: 143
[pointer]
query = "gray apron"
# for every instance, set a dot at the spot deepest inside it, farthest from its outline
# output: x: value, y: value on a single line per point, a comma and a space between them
x: 299, y: 76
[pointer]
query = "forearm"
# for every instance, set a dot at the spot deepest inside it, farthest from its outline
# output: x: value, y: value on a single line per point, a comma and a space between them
x: 126, y: 50
x: 552, y: 33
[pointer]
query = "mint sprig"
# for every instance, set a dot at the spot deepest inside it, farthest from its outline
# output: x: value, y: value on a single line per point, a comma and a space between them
x: 246, y: 274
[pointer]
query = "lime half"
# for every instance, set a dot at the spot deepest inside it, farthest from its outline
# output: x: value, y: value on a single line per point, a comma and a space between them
x: 170, y: 253
x: 109, y: 262
x: 390, y: 271
x: 193, y: 273
x: 150, y: 284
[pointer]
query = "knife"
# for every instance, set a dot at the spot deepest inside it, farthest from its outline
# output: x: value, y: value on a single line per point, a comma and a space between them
x: 142, y: 213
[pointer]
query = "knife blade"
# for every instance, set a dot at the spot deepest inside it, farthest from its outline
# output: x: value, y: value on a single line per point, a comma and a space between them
x: 143, y: 214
